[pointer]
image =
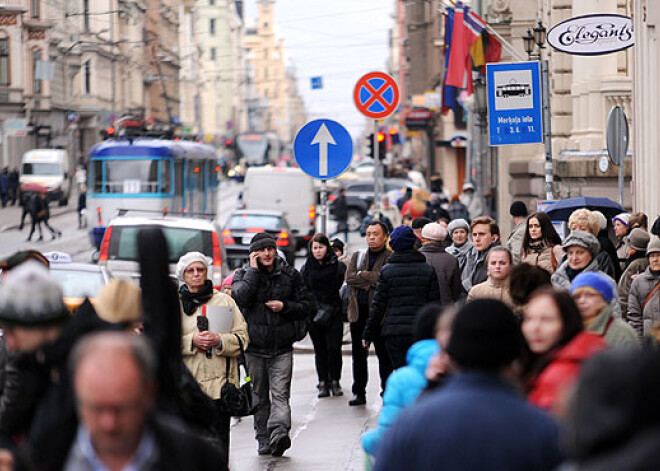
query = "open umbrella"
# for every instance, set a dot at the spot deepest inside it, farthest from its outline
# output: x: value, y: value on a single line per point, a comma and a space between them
x: 561, y: 210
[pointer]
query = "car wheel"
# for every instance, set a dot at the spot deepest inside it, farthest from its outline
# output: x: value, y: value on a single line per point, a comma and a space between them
x: 354, y: 219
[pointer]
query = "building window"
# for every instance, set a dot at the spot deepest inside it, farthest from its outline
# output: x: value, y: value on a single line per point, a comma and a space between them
x: 88, y: 78
x: 212, y: 53
x: 36, y: 83
x: 34, y: 8
x: 212, y: 27
x: 4, y: 62
x: 211, y: 2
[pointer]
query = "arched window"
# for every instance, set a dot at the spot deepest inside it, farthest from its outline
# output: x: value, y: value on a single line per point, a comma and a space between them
x: 5, y: 71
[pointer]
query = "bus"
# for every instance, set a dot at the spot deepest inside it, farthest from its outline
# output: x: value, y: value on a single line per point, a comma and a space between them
x: 151, y: 175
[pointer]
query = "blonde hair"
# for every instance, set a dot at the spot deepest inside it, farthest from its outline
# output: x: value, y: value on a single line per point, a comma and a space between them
x: 418, y: 204
x: 584, y: 220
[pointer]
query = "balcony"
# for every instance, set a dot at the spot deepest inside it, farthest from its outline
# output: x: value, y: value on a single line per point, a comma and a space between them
x: 13, y: 6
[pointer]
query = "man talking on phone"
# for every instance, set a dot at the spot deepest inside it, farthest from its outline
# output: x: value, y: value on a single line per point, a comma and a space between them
x: 272, y: 296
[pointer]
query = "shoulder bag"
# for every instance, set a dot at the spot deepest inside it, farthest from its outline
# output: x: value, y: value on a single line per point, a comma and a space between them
x: 238, y: 401
x: 650, y: 295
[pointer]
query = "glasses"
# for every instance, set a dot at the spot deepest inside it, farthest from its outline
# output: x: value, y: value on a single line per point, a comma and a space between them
x: 193, y: 270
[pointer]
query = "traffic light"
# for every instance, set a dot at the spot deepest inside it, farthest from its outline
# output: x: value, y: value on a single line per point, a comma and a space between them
x: 370, y: 146
x: 394, y: 136
x: 382, y: 145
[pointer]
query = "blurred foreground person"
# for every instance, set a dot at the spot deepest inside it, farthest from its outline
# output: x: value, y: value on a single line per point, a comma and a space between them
x: 475, y: 421
x: 557, y: 346
x: 114, y: 378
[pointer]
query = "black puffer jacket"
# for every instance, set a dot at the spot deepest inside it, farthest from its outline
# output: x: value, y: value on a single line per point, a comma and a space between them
x: 405, y: 284
x: 324, y: 281
x: 272, y: 333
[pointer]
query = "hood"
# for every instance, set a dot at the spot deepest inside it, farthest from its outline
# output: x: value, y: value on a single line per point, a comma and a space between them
x: 420, y: 353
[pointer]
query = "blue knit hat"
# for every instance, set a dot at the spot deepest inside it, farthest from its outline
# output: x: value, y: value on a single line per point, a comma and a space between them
x: 402, y: 238
x: 594, y: 280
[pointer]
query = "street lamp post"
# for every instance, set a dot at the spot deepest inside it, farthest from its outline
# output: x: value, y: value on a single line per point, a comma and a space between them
x: 533, y: 38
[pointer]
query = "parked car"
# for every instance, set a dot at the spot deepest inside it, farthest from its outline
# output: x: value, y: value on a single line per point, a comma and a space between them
x: 360, y: 197
x: 241, y: 227
x: 78, y: 280
x: 119, y: 246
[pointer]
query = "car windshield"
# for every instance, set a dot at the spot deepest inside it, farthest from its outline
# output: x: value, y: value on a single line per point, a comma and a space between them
x: 255, y: 221
x: 180, y: 241
x: 41, y: 169
x: 79, y: 283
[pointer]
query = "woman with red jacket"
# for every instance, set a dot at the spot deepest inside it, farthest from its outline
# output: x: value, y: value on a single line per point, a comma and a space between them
x: 558, y: 346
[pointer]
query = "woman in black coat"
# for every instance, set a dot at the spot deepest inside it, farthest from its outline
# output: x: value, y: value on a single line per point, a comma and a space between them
x: 324, y: 274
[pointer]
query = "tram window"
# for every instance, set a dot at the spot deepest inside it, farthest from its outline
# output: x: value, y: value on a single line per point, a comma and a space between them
x: 131, y: 176
x: 97, y: 175
x: 165, y: 176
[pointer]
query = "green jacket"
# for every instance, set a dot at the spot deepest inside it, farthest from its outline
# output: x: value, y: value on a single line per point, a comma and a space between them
x: 615, y: 332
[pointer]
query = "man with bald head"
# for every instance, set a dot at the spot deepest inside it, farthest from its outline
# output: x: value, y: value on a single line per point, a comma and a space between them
x: 114, y: 379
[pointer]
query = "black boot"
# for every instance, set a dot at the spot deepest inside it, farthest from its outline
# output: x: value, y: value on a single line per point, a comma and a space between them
x: 336, y: 389
x: 358, y: 400
x: 324, y: 389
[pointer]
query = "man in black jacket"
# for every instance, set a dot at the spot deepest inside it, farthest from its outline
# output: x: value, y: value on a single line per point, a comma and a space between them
x: 272, y: 296
x: 405, y: 284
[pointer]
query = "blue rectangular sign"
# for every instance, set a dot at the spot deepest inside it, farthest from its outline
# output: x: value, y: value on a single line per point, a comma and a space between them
x: 317, y: 83
x: 514, y: 103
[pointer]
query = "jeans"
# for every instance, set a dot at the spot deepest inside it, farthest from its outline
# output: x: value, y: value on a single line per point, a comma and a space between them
x: 360, y: 355
x: 272, y: 382
x: 327, y: 348
x: 397, y: 347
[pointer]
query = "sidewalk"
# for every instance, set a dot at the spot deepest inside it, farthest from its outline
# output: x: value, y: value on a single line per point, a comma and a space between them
x: 10, y: 216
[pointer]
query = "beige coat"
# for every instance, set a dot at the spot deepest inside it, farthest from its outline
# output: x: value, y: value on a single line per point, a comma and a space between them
x: 543, y: 259
x: 488, y: 290
x: 210, y: 372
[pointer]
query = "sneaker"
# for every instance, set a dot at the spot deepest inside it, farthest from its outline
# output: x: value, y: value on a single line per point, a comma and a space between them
x: 336, y: 389
x: 264, y: 448
x: 358, y: 400
x: 281, y: 444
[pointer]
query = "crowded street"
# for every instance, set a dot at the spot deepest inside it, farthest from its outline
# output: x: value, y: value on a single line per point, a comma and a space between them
x: 386, y: 235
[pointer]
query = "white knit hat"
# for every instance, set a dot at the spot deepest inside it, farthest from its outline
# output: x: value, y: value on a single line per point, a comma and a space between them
x: 186, y: 260
x: 602, y: 220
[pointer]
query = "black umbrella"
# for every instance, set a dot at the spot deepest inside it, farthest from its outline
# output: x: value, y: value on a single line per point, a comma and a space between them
x: 562, y: 209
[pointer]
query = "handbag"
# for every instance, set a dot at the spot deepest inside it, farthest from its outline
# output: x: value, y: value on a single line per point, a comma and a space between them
x: 324, y: 314
x: 238, y: 401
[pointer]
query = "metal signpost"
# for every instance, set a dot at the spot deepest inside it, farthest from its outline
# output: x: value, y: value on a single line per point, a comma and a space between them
x: 617, y: 142
x: 376, y: 95
x: 323, y: 149
x: 519, y: 108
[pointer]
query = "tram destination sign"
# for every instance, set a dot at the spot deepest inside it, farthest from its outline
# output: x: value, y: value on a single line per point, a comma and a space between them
x: 592, y: 35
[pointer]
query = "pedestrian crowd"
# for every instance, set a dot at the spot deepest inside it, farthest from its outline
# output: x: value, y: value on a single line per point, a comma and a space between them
x: 534, y: 352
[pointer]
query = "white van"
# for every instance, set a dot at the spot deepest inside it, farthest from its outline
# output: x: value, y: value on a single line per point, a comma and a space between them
x: 48, y: 168
x: 289, y: 190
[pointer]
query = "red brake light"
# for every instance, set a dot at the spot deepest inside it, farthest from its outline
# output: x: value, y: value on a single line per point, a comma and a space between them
x: 283, y: 239
x: 227, y: 238
x: 98, y: 216
x: 217, y: 259
x: 105, y: 245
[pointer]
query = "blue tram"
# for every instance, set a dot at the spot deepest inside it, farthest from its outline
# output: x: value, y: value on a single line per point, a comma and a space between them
x: 175, y: 177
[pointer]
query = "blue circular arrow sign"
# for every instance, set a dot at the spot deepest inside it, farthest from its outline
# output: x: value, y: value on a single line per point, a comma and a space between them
x: 323, y: 148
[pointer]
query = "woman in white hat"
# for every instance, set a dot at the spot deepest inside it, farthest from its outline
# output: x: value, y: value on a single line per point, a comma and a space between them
x: 205, y: 353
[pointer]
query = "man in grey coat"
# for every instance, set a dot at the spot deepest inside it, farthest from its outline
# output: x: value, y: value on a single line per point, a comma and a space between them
x: 644, y: 297
x: 518, y: 212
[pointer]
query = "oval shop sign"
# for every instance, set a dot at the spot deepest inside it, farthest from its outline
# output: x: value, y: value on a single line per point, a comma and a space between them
x: 592, y: 35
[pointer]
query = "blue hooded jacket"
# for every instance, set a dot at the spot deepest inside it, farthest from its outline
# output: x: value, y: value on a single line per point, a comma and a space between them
x: 403, y: 388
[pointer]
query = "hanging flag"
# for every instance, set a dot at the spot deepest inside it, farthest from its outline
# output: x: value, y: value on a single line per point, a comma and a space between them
x: 458, y: 53
x: 478, y: 52
x: 493, y: 48
x: 474, y: 26
x: 448, y: 92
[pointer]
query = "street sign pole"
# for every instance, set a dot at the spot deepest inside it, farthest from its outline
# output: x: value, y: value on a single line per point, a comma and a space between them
x: 377, y: 168
x: 617, y: 136
x: 547, y: 134
x: 324, y: 206
x: 621, y: 165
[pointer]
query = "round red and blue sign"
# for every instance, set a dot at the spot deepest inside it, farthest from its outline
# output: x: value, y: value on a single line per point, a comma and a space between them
x: 376, y: 95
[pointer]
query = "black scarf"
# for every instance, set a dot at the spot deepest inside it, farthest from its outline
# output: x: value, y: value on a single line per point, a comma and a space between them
x: 191, y: 301
x: 573, y: 273
x: 536, y: 245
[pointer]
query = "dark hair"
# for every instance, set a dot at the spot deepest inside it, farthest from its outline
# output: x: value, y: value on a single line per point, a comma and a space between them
x: 426, y: 320
x: 525, y: 279
x: 572, y: 325
x: 548, y: 232
x: 640, y: 220
x: 490, y: 222
x: 383, y: 226
x: 420, y: 222
x: 323, y: 240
